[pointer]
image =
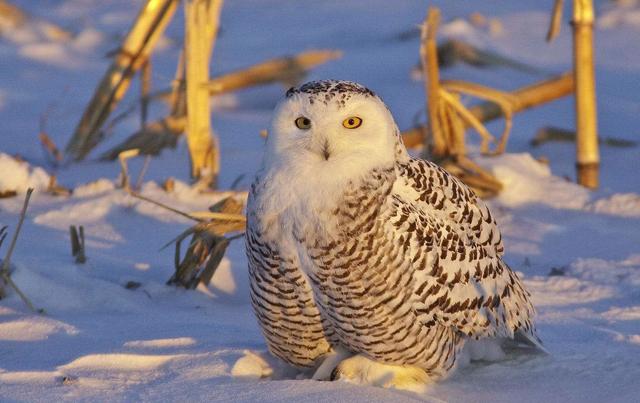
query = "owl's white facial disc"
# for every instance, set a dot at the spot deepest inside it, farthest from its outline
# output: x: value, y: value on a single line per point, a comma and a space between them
x: 309, y: 164
x: 325, y: 149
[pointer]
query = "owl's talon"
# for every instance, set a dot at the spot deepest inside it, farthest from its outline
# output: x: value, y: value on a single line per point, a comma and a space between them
x: 335, y: 375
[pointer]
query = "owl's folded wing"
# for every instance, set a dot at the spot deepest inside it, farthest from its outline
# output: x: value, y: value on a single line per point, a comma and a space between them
x: 459, y: 278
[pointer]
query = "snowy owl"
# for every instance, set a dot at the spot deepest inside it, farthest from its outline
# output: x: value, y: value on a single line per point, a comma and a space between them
x: 365, y: 264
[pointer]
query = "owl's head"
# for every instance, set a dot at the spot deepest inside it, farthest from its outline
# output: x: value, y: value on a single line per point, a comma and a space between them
x: 331, y: 128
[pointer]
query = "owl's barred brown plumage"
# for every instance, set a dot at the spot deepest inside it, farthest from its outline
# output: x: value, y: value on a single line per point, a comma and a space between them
x: 400, y: 261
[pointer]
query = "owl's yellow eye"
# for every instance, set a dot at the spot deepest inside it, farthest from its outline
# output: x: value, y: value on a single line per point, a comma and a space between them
x: 352, y: 123
x: 303, y: 123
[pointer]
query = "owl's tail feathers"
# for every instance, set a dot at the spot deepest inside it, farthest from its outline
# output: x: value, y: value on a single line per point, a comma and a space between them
x: 530, y: 339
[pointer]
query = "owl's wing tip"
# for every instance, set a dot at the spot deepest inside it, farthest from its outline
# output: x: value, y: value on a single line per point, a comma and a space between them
x: 530, y: 339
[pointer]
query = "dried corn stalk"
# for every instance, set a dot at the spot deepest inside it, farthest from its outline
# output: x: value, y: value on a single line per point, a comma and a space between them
x: 483, y: 183
x: 521, y: 99
x: 55, y: 188
x: 453, y: 51
x: 5, y: 274
x: 164, y: 133
x: 288, y: 70
x: 444, y: 108
x: 556, y: 20
x: 125, y: 180
x: 550, y: 134
x: 504, y: 100
x: 49, y: 147
x: 133, y: 53
x: 208, y: 244
x: 213, y: 232
x: 152, y: 139
x: 201, y: 24
x: 77, y: 244
x: 587, y: 154
x: 429, y: 58
x: 448, y: 116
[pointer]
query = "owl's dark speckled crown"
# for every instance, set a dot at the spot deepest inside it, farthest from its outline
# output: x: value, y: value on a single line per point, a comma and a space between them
x: 328, y: 90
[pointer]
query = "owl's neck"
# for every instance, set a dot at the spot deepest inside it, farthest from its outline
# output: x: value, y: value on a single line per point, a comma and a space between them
x: 307, y: 199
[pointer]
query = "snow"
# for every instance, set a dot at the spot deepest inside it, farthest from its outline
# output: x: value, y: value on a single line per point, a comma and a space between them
x: 31, y: 330
x: 626, y: 12
x: 622, y: 204
x: 162, y: 343
x: 577, y: 250
x: 19, y: 176
x: 42, y: 42
x: 529, y: 181
x: 251, y: 366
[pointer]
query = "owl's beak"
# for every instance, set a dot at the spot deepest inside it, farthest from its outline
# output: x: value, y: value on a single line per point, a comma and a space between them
x: 325, y: 150
x: 320, y: 146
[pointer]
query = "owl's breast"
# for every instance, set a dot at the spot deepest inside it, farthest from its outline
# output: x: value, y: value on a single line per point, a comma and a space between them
x: 360, y: 285
x: 359, y: 274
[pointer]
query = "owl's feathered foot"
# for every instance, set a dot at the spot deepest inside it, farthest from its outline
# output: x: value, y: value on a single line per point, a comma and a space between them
x: 330, y: 363
x: 361, y: 370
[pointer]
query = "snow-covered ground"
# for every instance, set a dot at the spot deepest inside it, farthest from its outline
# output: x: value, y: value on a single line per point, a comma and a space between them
x: 101, y: 341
